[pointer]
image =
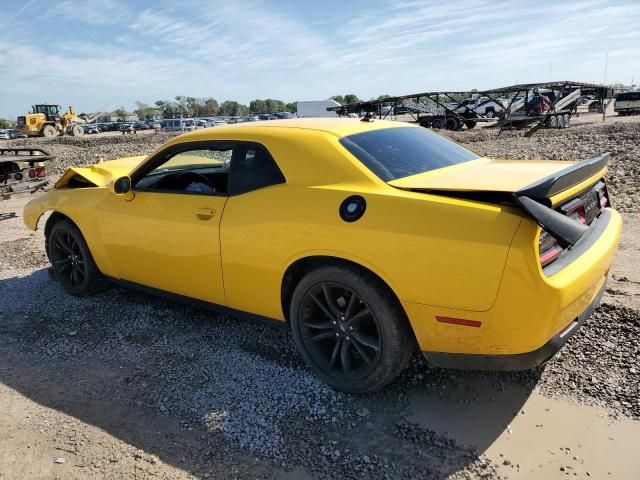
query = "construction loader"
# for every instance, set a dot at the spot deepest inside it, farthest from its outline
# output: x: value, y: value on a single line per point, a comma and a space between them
x: 48, y: 121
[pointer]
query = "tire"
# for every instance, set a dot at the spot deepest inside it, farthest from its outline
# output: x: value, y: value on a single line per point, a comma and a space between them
x: 560, y: 120
x: 567, y: 120
x: 451, y: 123
x: 49, y: 131
x: 77, y: 130
x: 470, y: 124
x: 553, y: 122
x: 438, y: 123
x: 349, y: 329
x: 72, y: 261
x: 490, y: 113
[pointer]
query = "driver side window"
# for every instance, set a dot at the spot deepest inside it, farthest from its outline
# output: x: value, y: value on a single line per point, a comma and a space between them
x: 203, y: 171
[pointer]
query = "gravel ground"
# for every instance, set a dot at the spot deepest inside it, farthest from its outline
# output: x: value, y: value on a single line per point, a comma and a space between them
x: 219, y: 397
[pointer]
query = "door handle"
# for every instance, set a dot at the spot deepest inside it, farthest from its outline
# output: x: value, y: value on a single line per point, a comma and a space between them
x: 205, y: 213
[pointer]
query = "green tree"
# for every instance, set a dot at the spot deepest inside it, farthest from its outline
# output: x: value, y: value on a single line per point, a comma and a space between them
x: 210, y: 107
x: 351, y: 98
x: 292, y: 107
x: 4, y: 123
x: 347, y: 99
x: 121, y: 113
x: 257, y: 106
x: 144, y: 111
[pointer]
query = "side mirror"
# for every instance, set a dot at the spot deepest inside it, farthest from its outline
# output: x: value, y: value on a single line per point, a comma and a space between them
x: 122, y: 185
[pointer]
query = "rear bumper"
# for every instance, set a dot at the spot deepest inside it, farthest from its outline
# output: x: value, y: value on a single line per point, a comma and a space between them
x: 534, y: 310
x: 519, y: 361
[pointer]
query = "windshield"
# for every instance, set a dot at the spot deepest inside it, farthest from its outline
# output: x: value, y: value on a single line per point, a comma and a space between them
x: 393, y: 153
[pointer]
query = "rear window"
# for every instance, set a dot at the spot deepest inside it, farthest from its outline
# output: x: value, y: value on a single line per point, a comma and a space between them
x: 393, y: 153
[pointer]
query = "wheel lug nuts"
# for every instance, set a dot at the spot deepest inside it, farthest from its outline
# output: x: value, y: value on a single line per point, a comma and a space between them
x: 350, y: 328
x: 342, y: 317
x: 337, y: 334
x: 347, y: 338
x: 334, y: 322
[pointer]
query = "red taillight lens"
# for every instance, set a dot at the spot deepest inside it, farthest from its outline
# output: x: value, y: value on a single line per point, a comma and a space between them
x: 32, y: 173
x: 548, y: 248
x: 575, y: 210
x: 41, y: 172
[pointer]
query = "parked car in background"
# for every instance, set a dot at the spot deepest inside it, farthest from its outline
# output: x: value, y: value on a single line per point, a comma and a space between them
x: 283, y: 115
x: 627, y: 103
x: 91, y: 128
x: 370, y: 239
x: 267, y: 116
x: 128, y: 128
x: 215, y: 123
x: 481, y: 105
x: 178, y: 125
x: 4, y: 135
x: 155, y: 125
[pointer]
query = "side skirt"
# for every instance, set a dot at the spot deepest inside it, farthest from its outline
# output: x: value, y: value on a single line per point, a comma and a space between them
x: 194, y: 302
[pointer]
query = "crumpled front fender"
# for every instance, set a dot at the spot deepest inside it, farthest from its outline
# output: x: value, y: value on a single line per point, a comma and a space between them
x: 36, y: 207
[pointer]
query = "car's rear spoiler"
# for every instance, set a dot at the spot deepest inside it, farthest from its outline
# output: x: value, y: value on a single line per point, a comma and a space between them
x: 565, y: 178
x: 563, y: 228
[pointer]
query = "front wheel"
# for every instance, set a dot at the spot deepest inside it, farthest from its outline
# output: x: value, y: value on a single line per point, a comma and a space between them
x: 349, y: 329
x: 72, y: 262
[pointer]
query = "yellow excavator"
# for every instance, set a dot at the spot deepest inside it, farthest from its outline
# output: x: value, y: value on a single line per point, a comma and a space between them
x: 48, y: 121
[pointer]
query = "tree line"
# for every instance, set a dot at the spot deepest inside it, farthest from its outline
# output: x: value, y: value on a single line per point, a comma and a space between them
x: 183, y: 106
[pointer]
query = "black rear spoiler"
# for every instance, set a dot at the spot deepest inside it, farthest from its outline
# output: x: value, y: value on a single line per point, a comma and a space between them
x: 564, y: 229
x: 565, y: 178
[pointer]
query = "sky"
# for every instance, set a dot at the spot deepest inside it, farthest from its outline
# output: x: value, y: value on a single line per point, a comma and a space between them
x: 102, y: 54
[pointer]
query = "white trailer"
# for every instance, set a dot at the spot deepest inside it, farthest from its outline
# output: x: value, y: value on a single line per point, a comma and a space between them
x: 317, y: 108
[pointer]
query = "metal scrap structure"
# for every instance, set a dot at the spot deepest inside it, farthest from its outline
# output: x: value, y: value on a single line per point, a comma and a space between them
x: 444, y: 109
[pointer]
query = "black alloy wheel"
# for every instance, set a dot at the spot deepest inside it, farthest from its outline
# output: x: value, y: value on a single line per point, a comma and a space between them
x: 67, y: 259
x: 340, y: 331
x: 349, y: 328
x: 72, y: 261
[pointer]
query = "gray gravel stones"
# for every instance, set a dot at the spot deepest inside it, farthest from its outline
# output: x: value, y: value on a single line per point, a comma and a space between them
x: 600, y: 364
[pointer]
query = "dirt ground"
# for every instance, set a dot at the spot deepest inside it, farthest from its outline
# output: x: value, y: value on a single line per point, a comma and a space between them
x: 123, y: 385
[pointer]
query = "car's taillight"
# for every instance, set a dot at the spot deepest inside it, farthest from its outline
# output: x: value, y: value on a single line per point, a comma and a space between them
x: 549, y: 249
x: 41, y: 172
x: 575, y: 210
x: 32, y: 173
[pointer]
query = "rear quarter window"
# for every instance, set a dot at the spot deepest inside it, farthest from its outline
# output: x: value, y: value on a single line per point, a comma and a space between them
x: 398, y: 152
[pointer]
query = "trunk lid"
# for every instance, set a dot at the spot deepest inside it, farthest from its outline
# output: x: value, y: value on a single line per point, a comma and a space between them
x: 486, y: 175
x: 562, y: 197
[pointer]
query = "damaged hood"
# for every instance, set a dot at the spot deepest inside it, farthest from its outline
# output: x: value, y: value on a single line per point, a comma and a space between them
x: 102, y: 174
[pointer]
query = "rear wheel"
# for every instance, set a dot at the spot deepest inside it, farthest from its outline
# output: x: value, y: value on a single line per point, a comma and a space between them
x: 49, y: 131
x: 553, y: 122
x: 72, y: 262
x: 567, y: 120
x: 452, y: 123
x: 349, y: 329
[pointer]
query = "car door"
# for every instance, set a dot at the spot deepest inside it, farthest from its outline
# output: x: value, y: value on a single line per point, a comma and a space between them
x: 164, y: 234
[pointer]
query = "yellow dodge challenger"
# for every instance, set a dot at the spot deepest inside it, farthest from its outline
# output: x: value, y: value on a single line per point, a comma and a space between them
x: 368, y: 238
